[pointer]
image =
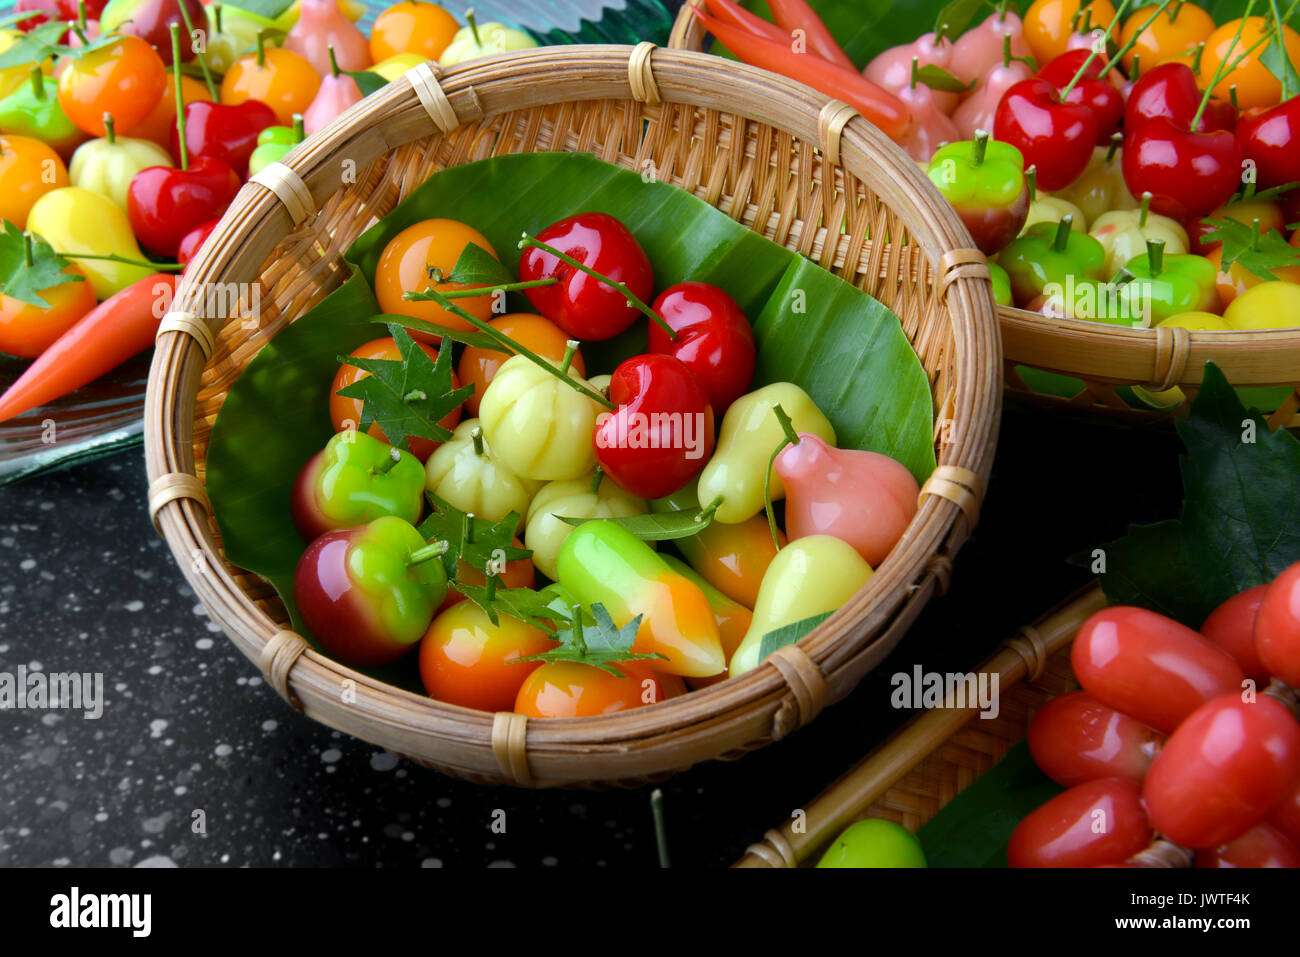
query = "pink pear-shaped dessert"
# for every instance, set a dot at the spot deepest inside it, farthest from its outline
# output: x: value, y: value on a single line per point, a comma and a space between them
x: 322, y: 25
x: 865, y: 498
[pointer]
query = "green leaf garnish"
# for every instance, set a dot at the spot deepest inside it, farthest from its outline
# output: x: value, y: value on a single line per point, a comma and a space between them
x: 656, y: 526
x: 36, y: 45
x: 937, y: 78
x: 525, y: 604
x: 477, y: 542
x: 25, y: 280
x: 1240, y: 522
x: 478, y: 267
x: 955, y: 18
x: 1258, y: 252
x: 469, y: 337
x: 789, y: 634
x: 600, y: 644
x: 368, y: 81
x: 270, y: 9
x: 1275, y: 59
x: 406, y: 397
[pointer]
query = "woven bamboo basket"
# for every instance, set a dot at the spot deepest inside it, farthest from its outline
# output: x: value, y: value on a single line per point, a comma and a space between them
x: 773, y: 155
x: 937, y: 755
x: 1106, y: 357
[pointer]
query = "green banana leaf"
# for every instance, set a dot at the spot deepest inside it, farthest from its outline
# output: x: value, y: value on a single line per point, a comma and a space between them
x: 847, y: 350
x: 972, y: 830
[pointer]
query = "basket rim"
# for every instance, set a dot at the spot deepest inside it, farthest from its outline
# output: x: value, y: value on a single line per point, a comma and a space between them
x: 394, y: 116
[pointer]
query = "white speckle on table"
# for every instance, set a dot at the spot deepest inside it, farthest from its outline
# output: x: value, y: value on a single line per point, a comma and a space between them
x: 27, y: 564
x: 156, y: 727
x: 330, y: 755
x: 136, y: 605
x: 383, y: 761
x: 431, y: 862
x: 159, y: 860
x: 270, y: 724
x: 222, y: 750
x: 203, y: 644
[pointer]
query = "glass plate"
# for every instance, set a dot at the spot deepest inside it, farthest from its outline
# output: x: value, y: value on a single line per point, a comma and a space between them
x: 105, y: 416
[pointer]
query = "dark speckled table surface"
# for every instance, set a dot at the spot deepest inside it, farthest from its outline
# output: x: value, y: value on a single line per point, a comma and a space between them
x: 195, y: 761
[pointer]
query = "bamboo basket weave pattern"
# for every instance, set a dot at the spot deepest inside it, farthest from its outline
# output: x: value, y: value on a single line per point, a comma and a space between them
x: 1106, y: 357
x: 771, y: 155
x: 913, y: 775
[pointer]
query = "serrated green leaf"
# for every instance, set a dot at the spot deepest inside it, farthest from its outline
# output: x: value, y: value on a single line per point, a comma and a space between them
x: 656, y: 526
x: 1259, y: 254
x: 600, y: 644
x: 477, y: 542
x: 524, y: 604
x: 789, y: 634
x: 406, y: 397
x: 25, y: 281
x: 1240, y: 521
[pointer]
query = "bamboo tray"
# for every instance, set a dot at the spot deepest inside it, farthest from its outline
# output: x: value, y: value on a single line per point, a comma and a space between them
x: 1107, y: 357
x: 772, y: 155
x: 913, y: 775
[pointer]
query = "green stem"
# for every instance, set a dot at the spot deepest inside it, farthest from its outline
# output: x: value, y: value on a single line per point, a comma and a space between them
x: 261, y: 49
x: 628, y: 294
x: 1096, y: 50
x: 1145, y: 209
x: 1155, y: 256
x: 1134, y: 69
x: 216, y: 16
x: 916, y: 69
x: 472, y: 19
x: 81, y: 35
x: 1063, y: 228
x: 466, y: 530
x: 1287, y: 91
x: 786, y: 425
x: 431, y: 550
x: 1220, y: 72
x: 299, y: 131
x: 201, y: 55
x: 979, y: 146
x: 28, y: 256
x: 570, y: 350
x: 334, y: 63
x: 1006, y: 50
x: 661, y: 829
x: 476, y: 436
x: 595, y: 480
x: 38, y: 82
x: 110, y: 131
x: 579, y: 643
x: 791, y: 437
x: 1031, y: 182
x: 1119, y: 54
x: 706, y: 514
x: 1116, y: 141
x: 386, y: 466
x: 180, y: 97
x: 115, y: 258
x: 1254, y: 235
x: 435, y: 275
x: 512, y: 346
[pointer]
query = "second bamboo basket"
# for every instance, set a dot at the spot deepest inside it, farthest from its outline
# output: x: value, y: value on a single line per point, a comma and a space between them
x: 1104, y: 358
